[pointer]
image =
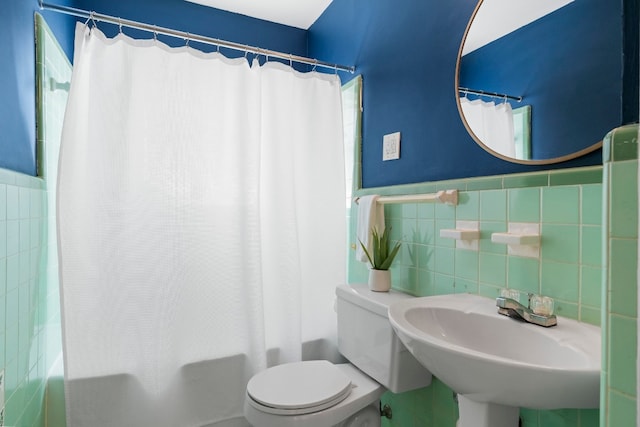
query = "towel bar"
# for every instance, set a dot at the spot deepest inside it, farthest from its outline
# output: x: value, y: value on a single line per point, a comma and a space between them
x: 449, y: 197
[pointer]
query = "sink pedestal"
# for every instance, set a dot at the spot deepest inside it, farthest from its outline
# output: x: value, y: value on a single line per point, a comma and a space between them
x: 482, y: 414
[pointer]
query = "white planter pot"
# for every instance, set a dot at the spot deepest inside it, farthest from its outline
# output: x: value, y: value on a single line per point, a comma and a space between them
x: 379, y: 280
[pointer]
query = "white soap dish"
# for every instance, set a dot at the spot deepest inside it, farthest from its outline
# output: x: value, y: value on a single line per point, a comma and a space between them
x: 516, y: 239
x: 522, y: 239
x: 466, y: 234
x: 459, y: 234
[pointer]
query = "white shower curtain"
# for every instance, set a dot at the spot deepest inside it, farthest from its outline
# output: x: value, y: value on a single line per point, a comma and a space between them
x: 491, y: 123
x: 201, y: 229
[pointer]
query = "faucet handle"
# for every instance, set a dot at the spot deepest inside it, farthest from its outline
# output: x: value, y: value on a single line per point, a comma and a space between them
x: 542, y: 305
x: 510, y: 293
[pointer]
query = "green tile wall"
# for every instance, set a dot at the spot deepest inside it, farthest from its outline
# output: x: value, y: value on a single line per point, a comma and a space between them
x: 23, y: 297
x: 30, y: 332
x: 619, y: 295
x: 54, y: 72
x: 52, y: 64
x: 566, y: 204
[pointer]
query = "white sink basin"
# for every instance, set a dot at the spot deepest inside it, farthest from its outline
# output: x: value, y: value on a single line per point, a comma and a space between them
x: 488, y: 357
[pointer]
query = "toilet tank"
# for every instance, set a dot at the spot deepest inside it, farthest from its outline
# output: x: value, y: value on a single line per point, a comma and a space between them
x: 366, y: 338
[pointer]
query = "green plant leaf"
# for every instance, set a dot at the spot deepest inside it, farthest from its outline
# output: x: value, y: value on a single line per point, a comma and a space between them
x: 387, y: 263
x: 366, y: 252
x: 382, y: 257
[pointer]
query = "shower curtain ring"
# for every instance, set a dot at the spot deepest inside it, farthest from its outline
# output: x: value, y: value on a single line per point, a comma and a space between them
x: 155, y: 33
x: 186, y: 39
x: 90, y: 18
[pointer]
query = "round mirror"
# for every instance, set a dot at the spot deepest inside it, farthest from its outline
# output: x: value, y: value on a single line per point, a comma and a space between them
x: 538, y: 82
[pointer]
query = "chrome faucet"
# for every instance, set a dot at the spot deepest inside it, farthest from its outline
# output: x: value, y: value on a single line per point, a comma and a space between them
x: 512, y: 308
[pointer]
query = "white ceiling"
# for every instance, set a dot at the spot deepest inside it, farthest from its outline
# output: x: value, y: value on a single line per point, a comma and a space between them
x: 295, y: 13
x: 497, y: 18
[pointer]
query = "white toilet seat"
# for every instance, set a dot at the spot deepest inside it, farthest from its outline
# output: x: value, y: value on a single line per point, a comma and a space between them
x: 364, y: 392
x: 298, y: 388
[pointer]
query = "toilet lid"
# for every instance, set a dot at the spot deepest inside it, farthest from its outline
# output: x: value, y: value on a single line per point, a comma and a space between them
x: 299, y: 388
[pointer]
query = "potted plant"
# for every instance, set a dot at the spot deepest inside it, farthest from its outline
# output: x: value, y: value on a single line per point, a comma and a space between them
x: 380, y: 258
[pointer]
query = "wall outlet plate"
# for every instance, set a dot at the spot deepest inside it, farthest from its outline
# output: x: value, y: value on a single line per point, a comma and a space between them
x: 391, y: 146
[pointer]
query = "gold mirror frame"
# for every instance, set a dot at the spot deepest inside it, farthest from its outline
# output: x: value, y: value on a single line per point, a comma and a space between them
x: 560, y: 159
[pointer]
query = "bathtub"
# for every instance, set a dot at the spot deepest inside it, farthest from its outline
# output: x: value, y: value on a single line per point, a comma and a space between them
x: 200, y: 397
x: 54, y: 403
x: 55, y: 410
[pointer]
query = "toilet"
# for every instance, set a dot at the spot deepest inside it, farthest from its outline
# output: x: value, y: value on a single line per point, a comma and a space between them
x: 318, y: 393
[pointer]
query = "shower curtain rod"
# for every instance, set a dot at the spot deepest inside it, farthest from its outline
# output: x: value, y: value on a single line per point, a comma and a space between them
x: 491, y: 94
x: 94, y: 16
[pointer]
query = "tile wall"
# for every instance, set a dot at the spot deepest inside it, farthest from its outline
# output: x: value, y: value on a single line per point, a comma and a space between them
x: 30, y: 333
x: 565, y: 204
x: 620, y: 296
x: 53, y: 75
x: 23, y: 297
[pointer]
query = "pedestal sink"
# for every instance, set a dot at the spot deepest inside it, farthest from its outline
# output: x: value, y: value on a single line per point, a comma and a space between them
x: 497, y: 364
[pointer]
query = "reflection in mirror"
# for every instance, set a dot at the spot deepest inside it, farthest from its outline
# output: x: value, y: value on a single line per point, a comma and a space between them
x: 532, y: 76
x: 494, y: 122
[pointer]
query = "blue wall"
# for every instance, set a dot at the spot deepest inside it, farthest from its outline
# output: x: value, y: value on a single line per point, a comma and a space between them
x: 17, y: 74
x: 631, y: 49
x: 572, y: 81
x: 17, y: 66
x: 407, y: 54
